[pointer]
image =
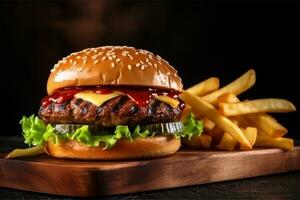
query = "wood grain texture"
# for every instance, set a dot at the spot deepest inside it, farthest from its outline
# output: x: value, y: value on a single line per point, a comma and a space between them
x: 187, y: 167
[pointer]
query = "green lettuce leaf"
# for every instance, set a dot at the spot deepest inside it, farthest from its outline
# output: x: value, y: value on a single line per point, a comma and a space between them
x: 192, y: 127
x: 36, y: 132
x: 33, y: 130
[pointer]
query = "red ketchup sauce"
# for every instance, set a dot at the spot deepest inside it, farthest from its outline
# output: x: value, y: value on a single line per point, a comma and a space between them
x: 140, y: 95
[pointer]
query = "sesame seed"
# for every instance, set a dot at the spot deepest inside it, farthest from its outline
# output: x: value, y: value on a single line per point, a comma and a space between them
x: 71, y: 60
x: 125, y: 53
x: 142, y: 67
x: 143, y: 51
x: 84, y: 62
x: 80, y: 69
x: 131, y: 58
x: 150, y: 63
x: 118, y: 60
x: 110, y: 53
x: 62, y: 61
x: 74, y: 63
x: 136, y: 53
x: 168, y: 73
x: 110, y: 58
x: 114, y: 56
x: 147, y: 60
x: 95, y: 62
x: 78, y: 57
x: 129, y: 67
x: 103, y: 58
x: 141, y: 62
x: 113, y: 64
x: 94, y: 56
x: 137, y: 64
x: 155, y: 65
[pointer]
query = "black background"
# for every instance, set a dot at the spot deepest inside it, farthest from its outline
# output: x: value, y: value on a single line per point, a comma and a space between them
x: 200, y: 39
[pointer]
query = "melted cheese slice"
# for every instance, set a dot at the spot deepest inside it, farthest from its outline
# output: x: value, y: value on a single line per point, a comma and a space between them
x: 96, y: 99
x: 168, y: 100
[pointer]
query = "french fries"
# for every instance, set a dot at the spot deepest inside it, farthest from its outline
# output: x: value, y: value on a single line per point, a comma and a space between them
x: 204, y: 87
x: 233, y: 123
x: 267, y: 124
x: 227, y: 98
x: 256, y: 106
x: 251, y: 135
x: 202, y: 141
x: 216, y: 133
x: 266, y: 141
x: 237, y: 87
x: 227, y: 142
x: 201, y: 106
x: 243, y: 121
x: 33, y: 151
x: 208, y: 125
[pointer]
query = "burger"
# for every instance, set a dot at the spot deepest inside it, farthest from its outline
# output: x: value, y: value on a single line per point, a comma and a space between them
x: 111, y: 103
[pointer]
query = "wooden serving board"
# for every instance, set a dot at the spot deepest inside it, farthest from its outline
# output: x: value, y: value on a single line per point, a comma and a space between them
x: 187, y: 167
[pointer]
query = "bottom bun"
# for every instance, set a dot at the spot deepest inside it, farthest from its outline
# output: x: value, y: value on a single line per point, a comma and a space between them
x: 124, y: 149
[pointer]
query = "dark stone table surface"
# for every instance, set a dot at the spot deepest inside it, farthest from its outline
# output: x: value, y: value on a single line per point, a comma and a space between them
x: 280, y: 186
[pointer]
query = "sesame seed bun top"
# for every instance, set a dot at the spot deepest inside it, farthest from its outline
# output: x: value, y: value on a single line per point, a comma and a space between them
x: 113, y: 65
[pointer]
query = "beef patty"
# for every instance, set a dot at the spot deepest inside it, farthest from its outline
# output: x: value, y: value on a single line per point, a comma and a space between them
x: 120, y: 110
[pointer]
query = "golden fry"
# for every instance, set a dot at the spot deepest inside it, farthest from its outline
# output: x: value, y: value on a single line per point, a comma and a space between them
x: 228, y: 98
x: 251, y: 135
x: 267, y: 124
x: 280, y: 142
x: 256, y: 106
x: 236, y: 87
x: 242, y: 121
x: 227, y: 142
x: 33, y: 151
x: 216, y: 133
x: 204, y: 87
x: 208, y: 125
x: 202, y: 141
x: 202, y: 107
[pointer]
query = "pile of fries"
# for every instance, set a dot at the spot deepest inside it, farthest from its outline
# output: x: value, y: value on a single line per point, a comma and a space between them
x: 233, y: 124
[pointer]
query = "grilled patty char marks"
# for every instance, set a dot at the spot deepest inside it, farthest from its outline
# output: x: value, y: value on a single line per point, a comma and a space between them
x: 119, y: 110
